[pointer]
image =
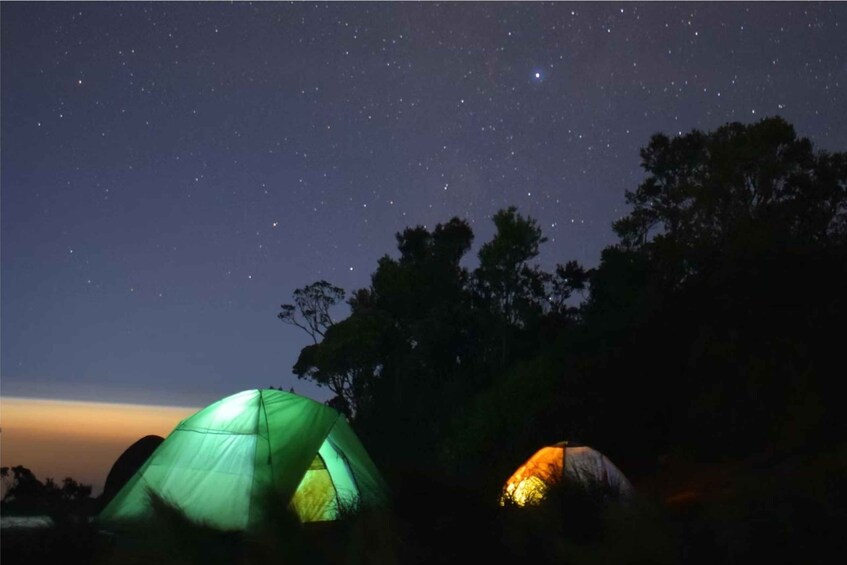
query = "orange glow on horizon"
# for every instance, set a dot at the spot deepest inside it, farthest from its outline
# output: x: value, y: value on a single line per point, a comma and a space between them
x: 61, y: 438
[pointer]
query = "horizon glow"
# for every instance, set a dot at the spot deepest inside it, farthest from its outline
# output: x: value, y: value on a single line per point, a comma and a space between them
x: 67, y: 438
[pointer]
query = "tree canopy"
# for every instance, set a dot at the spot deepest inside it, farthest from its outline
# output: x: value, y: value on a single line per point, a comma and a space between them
x: 704, y: 329
x: 26, y: 495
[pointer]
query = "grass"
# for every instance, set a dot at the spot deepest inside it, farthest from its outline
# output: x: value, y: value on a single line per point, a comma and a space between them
x: 584, y: 522
x: 788, y: 515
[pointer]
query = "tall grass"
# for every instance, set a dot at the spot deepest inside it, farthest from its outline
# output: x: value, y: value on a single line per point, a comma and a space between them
x: 169, y: 537
x: 584, y: 521
x: 795, y: 515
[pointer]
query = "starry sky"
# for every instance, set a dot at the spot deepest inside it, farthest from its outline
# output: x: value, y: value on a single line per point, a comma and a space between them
x: 172, y: 171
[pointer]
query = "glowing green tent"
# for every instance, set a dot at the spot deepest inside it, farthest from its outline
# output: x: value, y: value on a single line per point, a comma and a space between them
x: 226, y: 463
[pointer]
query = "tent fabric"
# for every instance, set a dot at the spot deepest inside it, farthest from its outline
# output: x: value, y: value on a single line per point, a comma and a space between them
x: 223, y: 465
x: 550, y: 464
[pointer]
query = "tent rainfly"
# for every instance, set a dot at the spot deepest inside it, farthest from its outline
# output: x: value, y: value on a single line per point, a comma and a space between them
x: 224, y: 464
x: 530, y: 482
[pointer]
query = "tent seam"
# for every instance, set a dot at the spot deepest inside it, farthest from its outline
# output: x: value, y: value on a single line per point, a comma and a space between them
x: 253, y: 480
x: 346, y: 460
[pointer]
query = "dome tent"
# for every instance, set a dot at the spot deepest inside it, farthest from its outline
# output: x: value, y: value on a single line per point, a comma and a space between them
x: 221, y: 465
x: 563, y: 461
x: 127, y: 464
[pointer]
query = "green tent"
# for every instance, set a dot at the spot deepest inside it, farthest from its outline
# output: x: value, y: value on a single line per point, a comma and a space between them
x: 226, y: 463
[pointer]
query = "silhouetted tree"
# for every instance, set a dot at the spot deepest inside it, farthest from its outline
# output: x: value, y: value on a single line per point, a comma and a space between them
x: 719, y: 291
x: 705, y: 327
x: 427, y: 335
x: 346, y: 361
x: 25, y: 494
x: 505, y: 279
x: 753, y: 186
x: 708, y: 333
x: 310, y: 311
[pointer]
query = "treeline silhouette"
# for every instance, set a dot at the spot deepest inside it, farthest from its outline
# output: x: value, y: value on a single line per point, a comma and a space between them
x: 710, y: 332
x: 25, y: 495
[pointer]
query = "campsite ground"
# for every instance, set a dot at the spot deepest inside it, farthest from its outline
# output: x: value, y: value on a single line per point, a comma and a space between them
x: 787, y: 513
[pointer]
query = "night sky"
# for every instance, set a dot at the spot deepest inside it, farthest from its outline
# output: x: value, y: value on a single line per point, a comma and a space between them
x: 171, y: 172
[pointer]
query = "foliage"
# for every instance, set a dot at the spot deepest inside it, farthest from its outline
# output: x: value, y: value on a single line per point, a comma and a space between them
x: 756, y: 186
x: 427, y: 334
x: 310, y: 311
x: 26, y: 495
x: 704, y: 333
x: 722, y: 294
x: 505, y: 279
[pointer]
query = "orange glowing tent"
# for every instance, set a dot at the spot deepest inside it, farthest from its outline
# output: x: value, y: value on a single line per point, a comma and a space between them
x: 563, y: 461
